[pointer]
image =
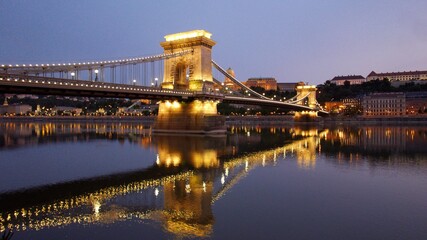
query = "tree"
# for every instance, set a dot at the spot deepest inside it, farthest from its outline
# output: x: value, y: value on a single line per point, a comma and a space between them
x: 346, y: 83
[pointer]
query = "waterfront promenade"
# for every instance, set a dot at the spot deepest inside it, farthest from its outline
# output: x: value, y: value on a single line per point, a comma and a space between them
x: 230, y: 120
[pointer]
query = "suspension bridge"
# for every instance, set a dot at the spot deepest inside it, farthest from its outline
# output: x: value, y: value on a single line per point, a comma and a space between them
x: 182, y: 79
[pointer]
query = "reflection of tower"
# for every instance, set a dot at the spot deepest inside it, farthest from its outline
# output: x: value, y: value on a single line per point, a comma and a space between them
x: 5, y: 102
x: 228, y: 83
x: 189, y: 205
x: 188, y: 202
x: 305, y: 149
x: 197, y: 152
x: 306, y: 153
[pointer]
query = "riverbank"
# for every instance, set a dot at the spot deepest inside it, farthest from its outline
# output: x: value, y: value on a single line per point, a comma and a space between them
x: 235, y: 120
x: 360, y: 120
x: 133, y: 119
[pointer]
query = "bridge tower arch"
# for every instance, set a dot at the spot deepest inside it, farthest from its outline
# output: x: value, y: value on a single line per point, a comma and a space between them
x: 306, y: 95
x: 190, y: 71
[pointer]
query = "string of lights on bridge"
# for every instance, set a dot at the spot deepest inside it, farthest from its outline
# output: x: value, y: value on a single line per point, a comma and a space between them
x: 91, y: 63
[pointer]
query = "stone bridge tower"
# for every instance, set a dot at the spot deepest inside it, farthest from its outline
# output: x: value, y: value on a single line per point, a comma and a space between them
x: 191, y: 71
x: 307, y: 95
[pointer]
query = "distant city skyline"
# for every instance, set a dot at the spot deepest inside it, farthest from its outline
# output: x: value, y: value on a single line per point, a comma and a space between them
x: 309, y: 41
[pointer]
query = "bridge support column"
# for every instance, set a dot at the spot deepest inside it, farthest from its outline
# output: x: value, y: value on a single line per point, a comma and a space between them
x: 306, y: 116
x: 192, y: 117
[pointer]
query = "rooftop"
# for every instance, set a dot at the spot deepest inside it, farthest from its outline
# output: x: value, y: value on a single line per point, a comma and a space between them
x: 189, y: 34
x: 397, y: 73
x: 347, y: 77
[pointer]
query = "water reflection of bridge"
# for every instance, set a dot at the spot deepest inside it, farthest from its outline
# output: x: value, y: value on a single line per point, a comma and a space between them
x: 189, y: 175
x: 178, y: 191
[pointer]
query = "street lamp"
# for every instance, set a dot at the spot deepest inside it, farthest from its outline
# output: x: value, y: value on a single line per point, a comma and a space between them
x: 134, y: 82
x: 96, y: 75
x: 156, y: 79
x: 73, y: 74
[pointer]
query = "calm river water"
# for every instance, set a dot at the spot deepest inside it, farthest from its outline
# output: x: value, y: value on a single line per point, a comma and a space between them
x: 117, y: 181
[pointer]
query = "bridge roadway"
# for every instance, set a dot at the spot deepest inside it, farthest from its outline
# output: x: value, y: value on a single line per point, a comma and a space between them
x: 24, y: 84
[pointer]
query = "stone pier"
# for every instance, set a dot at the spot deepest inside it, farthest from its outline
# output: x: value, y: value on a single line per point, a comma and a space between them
x: 193, y: 117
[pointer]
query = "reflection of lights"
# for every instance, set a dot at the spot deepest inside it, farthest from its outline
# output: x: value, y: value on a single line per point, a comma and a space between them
x: 187, y: 188
x: 246, y: 165
x: 204, y: 187
x: 226, y: 172
x: 248, y: 133
x: 222, y: 179
x: 156, y: 192
x: 158, y: 160
x: 263, y: 160
x: 96, y: 207
x: 51, y: 214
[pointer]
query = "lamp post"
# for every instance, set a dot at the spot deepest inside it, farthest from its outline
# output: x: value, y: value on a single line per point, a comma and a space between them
x: 73, y: 74
x: 156, y: 79
x: 134, y: 82
x: 96, y: 75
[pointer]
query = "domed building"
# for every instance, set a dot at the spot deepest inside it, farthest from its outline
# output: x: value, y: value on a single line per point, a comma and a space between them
x: 228, y: 83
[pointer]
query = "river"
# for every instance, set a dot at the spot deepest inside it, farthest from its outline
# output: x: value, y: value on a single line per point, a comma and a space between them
x: 119, y: 181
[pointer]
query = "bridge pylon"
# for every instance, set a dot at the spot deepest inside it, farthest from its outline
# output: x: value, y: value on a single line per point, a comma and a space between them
x: 192, y: 72
x: 306, y: 96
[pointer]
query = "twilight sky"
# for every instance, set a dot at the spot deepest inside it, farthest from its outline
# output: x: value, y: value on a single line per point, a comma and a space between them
x: 304, y: 40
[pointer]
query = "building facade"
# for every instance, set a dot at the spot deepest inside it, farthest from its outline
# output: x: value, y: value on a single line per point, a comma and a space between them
x: 398, y: 76
x: 334, y: 106
x: 287, y: 87
x: 266, y: 83
x: 15, y: 109
x: 384, y: 104
x: 416, y: 103
x: 352, y: 79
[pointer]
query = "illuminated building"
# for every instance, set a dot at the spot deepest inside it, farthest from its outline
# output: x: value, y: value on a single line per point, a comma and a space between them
x: 266, y: 83
x: 334, y: 106
x: 18, y: 109
x: 287, y: 87
x: 395, y: 104
x: 398, y: 76
x: 416, y: 103
x: 67, y: 110
x: 384, y: 104
x: 352, y: 79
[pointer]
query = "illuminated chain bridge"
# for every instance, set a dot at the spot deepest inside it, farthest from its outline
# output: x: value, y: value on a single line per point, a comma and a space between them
x: 181, y: 79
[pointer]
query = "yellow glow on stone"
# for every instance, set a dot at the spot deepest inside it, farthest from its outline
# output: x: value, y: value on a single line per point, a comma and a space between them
x: 189, y: 34
x: 307, y: 87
